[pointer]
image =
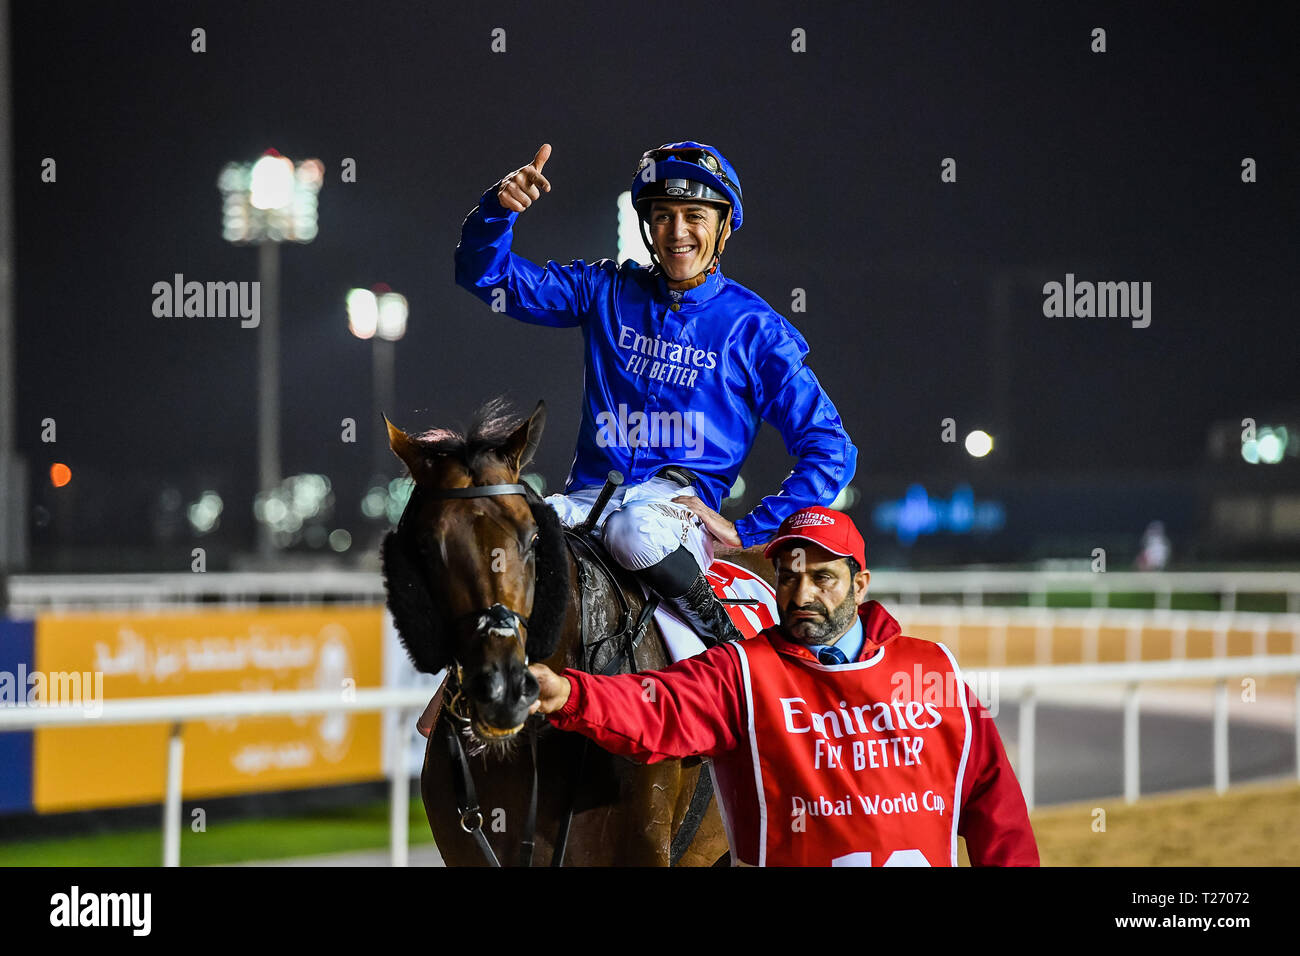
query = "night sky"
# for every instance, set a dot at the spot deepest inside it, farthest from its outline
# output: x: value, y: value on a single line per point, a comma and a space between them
x: 1123, y: 166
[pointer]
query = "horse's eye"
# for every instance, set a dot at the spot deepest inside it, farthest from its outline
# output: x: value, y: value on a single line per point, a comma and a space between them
x: 532, y: 544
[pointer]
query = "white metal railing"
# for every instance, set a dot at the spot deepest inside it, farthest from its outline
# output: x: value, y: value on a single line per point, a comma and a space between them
x: 1027, y: 681
x: 33, y: 593
x: 177, y: 710
x: 30, y: 594
x: 974, y: 584
x: 1137, y: 625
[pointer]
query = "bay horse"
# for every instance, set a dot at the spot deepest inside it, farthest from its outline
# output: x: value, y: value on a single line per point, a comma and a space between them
x: 482, y: 579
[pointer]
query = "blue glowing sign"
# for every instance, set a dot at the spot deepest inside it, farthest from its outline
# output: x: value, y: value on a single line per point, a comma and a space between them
x: 916, y: 513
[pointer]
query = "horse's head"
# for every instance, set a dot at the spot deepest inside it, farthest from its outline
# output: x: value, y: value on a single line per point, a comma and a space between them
x: 476, y: 571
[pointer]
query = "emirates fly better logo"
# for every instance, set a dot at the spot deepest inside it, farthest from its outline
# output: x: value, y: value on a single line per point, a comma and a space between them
x: 810, y: 518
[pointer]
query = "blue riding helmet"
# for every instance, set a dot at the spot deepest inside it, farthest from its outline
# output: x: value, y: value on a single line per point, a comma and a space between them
x: 687, y: 170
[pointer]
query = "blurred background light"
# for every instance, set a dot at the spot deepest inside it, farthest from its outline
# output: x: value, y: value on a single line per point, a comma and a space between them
x: 271, y: 182
x: 846, y: 499
x: 363, y: 313
x: 737, y: 491
x: 205, y: 513
x: 630, y: 245
x: 979, y: 443
x: 391, y: 316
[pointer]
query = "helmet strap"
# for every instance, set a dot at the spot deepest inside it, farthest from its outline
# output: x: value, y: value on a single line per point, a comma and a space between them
x: 719, y: 241
x: 650, y: 246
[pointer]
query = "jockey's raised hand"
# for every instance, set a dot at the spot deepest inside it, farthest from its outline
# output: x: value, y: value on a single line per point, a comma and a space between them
x: 519, y: 189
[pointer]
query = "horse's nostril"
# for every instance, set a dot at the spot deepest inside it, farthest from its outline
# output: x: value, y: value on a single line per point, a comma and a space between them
x: 528, y: 686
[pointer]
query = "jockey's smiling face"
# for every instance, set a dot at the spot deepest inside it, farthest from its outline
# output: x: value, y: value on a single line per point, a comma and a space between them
x: 816, y: 593
x: 683, y: 234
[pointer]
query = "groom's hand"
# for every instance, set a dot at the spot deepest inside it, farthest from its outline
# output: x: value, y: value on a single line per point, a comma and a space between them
x: 552, y: 690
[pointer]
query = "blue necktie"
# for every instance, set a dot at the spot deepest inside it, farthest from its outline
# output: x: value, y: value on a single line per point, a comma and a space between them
x: 832, y: 655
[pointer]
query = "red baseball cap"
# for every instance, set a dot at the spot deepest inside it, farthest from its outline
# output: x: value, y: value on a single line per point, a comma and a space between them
x: 833, y: 530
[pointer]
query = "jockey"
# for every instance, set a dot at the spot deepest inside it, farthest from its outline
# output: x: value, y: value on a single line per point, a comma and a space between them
x: 682, y: 366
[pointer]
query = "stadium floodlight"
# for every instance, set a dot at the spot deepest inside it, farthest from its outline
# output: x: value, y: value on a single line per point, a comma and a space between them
x: 363, y: 313
x: 979, y: 443
x: 270, y: 182
x: 264, y: 203
x: 271, y: 199
x: 393, y: 311
x: 380, y: 314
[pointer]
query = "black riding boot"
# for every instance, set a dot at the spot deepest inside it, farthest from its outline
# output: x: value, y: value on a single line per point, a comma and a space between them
x: 678, y: 580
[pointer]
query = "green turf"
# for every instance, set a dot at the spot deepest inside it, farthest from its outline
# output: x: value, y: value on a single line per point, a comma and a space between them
x: 364, y: 827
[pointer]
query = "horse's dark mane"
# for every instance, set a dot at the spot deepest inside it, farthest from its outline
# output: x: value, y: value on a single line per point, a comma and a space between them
x: 492, y: 424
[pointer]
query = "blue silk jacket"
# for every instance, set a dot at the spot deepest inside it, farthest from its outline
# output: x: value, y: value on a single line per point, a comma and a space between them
x: 687, y: 386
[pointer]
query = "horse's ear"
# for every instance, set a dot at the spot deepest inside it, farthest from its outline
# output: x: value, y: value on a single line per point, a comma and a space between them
x: 522, y: 444
x: 405, y: 448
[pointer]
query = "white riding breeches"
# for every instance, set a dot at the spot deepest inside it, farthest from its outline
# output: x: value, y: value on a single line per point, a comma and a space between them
x: 642, y: 525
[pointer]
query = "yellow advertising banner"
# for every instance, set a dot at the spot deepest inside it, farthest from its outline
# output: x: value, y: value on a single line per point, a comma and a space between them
x: 201, y: 652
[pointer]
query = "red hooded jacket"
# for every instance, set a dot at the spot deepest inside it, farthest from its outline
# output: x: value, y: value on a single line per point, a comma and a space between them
x: 698, y: 706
